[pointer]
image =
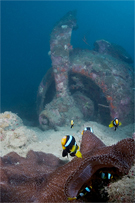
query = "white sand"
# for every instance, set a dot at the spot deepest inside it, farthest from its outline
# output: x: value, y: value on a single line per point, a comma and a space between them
x: 50, y: 141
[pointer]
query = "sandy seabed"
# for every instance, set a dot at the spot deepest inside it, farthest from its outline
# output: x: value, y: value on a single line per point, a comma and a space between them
x: 16, y: 137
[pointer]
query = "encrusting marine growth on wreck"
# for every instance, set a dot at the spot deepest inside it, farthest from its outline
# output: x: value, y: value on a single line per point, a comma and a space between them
x: 101, y: 76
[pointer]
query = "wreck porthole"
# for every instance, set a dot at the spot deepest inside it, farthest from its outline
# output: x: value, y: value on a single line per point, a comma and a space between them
x: 89, y: 98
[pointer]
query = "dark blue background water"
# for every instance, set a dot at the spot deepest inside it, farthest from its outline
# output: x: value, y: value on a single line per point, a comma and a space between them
x: 25, y: 32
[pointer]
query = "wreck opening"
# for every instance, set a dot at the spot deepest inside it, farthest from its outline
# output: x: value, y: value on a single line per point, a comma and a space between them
x: 47, y: 91
x: 50, y: 92
x: 89, y: 98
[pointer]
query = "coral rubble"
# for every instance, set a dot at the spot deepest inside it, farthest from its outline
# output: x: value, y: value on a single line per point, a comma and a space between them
x: 10, y: 121
x: 13, y: 134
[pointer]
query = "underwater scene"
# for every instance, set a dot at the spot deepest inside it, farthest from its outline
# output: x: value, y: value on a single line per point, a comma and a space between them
x: 67, y: 101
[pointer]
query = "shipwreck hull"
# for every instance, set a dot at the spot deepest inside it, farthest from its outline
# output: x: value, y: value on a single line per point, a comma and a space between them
x: 83, y: 84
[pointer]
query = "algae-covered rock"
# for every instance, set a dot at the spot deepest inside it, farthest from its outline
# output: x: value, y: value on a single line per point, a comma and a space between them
x: 10, y: 121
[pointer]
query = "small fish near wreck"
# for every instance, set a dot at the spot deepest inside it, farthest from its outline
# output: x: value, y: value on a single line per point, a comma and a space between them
x: 87, y: 128
x: 69, y: 146
x: 72, y: 123
x: 115, y: 123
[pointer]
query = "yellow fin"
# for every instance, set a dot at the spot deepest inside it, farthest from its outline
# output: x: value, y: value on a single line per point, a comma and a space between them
x: 63, y: 147
x: 91, y: 187
x: 120, y: 123
x: 71, y: 198
x: 78, y: 154
x: 74, y: 148
x: 111, y: 124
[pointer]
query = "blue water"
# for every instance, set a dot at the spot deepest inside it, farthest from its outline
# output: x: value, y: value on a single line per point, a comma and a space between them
x: 25, y: 32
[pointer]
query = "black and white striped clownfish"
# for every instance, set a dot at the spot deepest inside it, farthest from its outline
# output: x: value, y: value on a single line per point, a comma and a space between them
x: 84, y: 192
x: 115, y: 123
x: 87, y: 128
x: 69, y: 146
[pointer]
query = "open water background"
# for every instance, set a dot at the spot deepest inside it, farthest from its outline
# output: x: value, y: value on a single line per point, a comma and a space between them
x: 25, y: 35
